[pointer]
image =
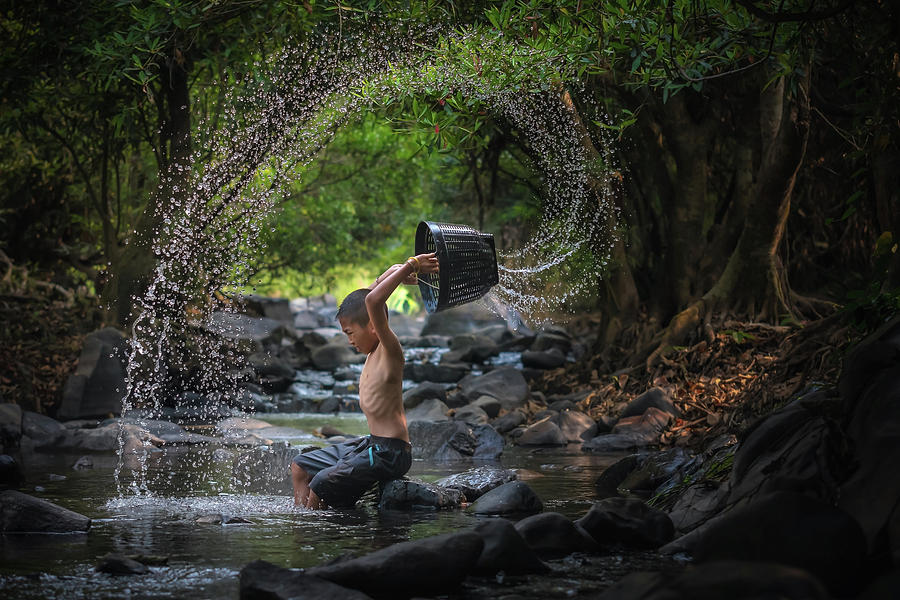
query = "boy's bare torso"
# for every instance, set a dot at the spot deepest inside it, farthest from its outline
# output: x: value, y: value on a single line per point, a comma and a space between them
x: 381, y: 394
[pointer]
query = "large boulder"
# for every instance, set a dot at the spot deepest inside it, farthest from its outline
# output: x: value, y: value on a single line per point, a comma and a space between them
x: 543, y: 433
x: 575, y: 425
x: 427, y: 566
x: 734, y: 580
x: 632, y: 432
x: 552, y: 534
x: 505, y: 550
x: 40, y: 431
x: 334, y: 355
x: 424, y: 391
x: 477, y: 481
x: 261, y: 580
x: 513, y: 498
x: 265, y: 469
x: 506, y: 384
x: 430, y: 410
x: 627, y: 521
x: 98, y: 385
x: 454, y: 440
x: 443, y: 373
x: 409, y: 494
x: 788, y: 528
x: 21, y: 513
x: 654, y: 397
x: 277, y: 309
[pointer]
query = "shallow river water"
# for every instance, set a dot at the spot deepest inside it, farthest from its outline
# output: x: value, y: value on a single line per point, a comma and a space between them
x: 204, y: 560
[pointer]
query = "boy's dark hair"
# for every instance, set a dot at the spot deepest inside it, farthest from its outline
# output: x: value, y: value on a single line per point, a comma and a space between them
x: 353, y: 308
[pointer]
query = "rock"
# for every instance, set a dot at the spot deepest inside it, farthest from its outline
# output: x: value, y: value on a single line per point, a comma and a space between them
x: 720, y: 579
x: 627, y: 521
x: 334, y: 355
x: 83, y: 464
x: 873, y: 491
x: 793, y: 448
x: 466, y: 318
x: 135, y: 439
x: 506, y: 384
x: 215, y: 519
x: 654, y: 470
x: 406, y: 494
x: 546, y: 340
x: 543, y: 414
x: 11, y: 475
x: 453, y: 440
x: 428, y: 410
x: 551, y: 359
x: 261, y: 580
x: 470, y: 347
x: 472, y: 414
x: 427, y: 566
x: 309, y: 319
x: 697, y: 504
x: 513, y: 498
x: 265, y: 469
x: 653, y: 398
x: 249, y: 333
x: 21, y: 513
x: 787, y: 528
x: 543, y: 433
x: 575, y: 426
x: 278, y: 309
x: 118, y: 564
x: 505, y: 550
x: 40, y: 431
x: 631, y: 432
x: 170, y: 433
x: 607, y: 484
x: 443, y: 373
x: 562, y: 405
x: 406, y: 325
x: 98, y: 385
x: 554, y: 535
x: 509, y: 421
x: 424, y: 391
x: 275, y: 374
x: 426, y: 341
x: 477, y: 481
x: 10, y: 425
x: 490, y: 405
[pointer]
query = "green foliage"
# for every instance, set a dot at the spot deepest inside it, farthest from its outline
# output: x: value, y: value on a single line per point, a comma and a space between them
x: 739, y: 336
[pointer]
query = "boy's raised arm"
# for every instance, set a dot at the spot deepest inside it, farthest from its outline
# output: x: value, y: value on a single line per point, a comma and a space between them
x: 385, y: 286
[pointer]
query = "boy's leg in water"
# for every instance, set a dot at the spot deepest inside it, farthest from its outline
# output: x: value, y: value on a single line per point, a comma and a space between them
x: 300, y: 479
x: 313, y: 501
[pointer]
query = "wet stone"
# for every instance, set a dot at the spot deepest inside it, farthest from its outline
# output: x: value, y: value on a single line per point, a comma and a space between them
x: 513, y: 498
x: 553, y: 534
x: 505, y: 550
x: 261, y: 579
x: 118, y: 564
x: 410, y: 494
x: 477, y: 481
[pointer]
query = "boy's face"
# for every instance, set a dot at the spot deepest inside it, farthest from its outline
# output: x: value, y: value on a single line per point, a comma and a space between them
x: 361, y: 337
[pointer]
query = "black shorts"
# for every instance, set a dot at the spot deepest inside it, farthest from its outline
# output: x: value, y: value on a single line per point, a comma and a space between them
x: 342, y: 473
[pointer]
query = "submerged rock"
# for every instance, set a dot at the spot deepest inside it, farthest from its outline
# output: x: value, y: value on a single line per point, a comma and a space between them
x: 627, y: 521
x: 721, y: 579
x: 553, y: 534
x: 513, y: 498
x: 505, y: 550
x: 118, y: 564
x: 427, y: 566
x: 261, y: 580
x: 21, y: 513
x: 477, y: 481
x: 406, y: 494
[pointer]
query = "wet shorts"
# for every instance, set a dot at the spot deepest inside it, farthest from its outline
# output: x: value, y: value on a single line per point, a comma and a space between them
x: 341, y: 473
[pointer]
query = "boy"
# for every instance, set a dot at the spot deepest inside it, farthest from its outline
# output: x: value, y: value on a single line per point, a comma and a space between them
x: 340, y: 474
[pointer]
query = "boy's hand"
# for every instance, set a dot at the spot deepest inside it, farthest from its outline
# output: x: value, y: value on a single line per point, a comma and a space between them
x: 427, y: 263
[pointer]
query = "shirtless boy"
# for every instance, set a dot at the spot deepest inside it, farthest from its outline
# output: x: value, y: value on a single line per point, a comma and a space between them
x: 340, y: 474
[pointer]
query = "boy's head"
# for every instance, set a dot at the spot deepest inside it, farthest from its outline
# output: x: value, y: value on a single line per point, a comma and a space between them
x: 353, y: 315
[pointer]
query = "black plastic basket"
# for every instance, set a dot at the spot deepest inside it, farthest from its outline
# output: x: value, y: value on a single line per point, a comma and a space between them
x: 468, y: 264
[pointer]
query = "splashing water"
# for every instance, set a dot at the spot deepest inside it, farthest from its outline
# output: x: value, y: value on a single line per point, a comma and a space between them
x: 210, y: 213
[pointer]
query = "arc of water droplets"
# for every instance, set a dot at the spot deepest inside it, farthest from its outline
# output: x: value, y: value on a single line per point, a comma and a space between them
x: 212, y: 211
